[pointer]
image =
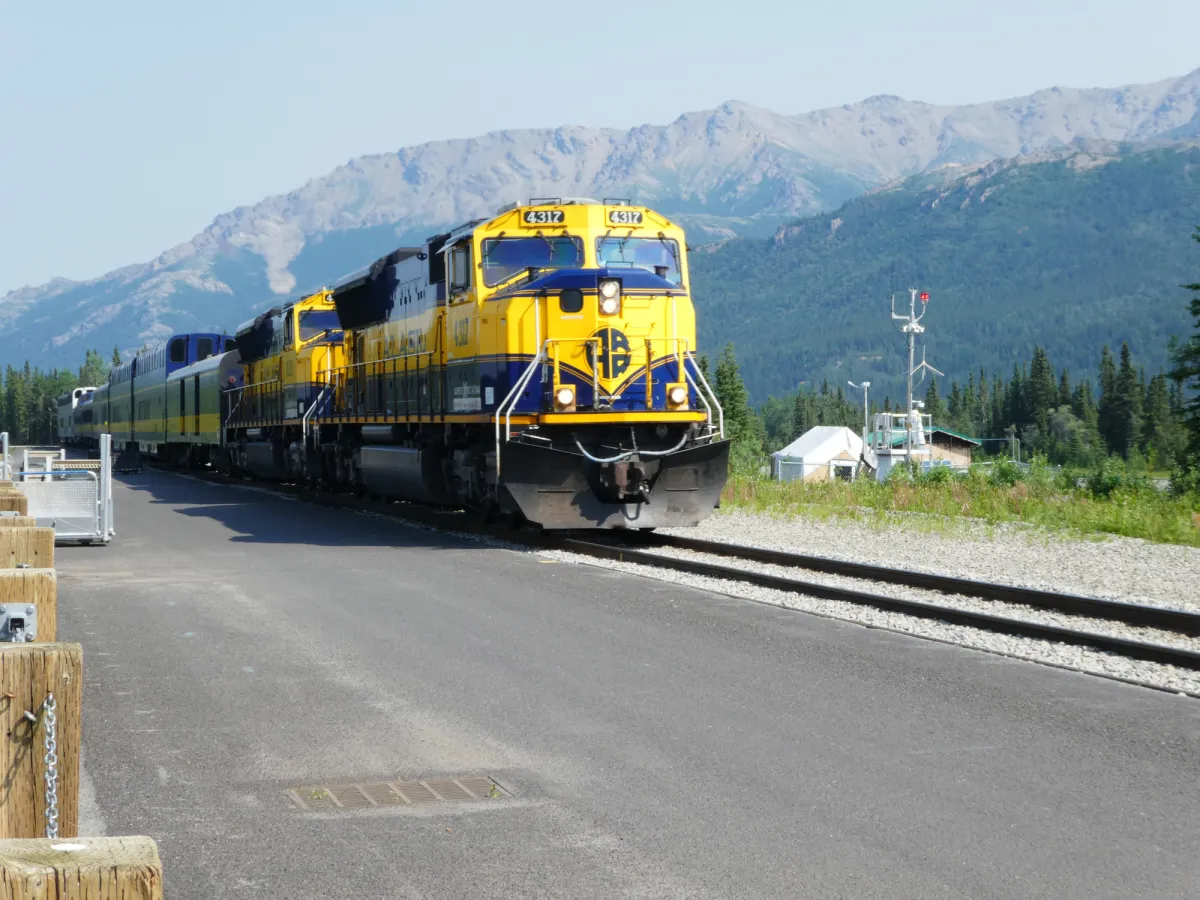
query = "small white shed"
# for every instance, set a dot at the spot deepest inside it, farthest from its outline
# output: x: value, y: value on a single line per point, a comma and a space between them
x: 820, y: 454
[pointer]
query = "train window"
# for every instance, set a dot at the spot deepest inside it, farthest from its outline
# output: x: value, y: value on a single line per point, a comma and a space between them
x: 657, y: 255
x: 179, y: 350
x: 505, y: 257
x: 287, y: 338
x: 316, y: 322
x: 460, y: 268
x: 204, y: 348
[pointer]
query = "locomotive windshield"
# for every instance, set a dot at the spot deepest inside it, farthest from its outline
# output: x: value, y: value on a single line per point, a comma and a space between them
x: 315, y: 322
x: 655, y: 254
x: 505, y: 257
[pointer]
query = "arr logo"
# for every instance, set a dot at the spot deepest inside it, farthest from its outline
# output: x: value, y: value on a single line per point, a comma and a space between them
x: 612, y: 355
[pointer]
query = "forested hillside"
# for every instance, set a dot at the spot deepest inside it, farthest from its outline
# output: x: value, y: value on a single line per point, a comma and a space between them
x: 1071, y: 251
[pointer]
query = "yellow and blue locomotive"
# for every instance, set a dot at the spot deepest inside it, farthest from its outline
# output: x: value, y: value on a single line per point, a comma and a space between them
x: 538, y: 363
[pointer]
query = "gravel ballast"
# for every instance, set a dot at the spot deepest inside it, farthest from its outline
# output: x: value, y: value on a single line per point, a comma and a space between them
x: 1115, y: 568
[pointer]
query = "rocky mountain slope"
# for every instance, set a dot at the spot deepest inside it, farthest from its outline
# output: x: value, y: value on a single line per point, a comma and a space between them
x: 735, y: 170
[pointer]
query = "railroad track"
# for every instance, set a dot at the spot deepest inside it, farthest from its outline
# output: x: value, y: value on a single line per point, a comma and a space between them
x: 637, y: 547
x: 631, y: 549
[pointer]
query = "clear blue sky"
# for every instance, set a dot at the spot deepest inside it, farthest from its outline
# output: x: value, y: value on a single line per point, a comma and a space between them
x: 127, y: 125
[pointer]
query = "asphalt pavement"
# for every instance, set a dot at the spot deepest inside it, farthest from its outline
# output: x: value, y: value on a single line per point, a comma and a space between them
x: 658, y: 741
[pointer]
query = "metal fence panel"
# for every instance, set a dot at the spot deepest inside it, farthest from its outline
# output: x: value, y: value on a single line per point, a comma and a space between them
x: 72, y: 496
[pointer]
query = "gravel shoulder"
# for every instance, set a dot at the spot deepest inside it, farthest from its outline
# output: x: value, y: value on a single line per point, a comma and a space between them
x: 1114, y: 568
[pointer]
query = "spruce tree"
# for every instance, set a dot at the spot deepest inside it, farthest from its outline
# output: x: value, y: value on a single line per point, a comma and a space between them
x: 1042, y: 392
x: 116, y: 356
x: 93, y: 372
x: 1158, y: 438
x: 954, y: 407
x: 1064, y: 389
x: 996, y: 417
x: 1108, y: 396
x: 1014, y: 401
x: 933, y: 403
x: 734, y: 399
x: 1187, y: 373
x: 1127, y: 407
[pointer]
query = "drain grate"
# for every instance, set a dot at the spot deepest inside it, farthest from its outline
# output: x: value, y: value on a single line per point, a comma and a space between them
x: 397, y: 793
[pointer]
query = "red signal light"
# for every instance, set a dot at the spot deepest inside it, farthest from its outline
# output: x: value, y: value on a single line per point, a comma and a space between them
x: 924, y: 296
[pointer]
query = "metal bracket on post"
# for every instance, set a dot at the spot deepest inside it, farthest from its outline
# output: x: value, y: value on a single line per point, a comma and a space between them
x: 18, y: 624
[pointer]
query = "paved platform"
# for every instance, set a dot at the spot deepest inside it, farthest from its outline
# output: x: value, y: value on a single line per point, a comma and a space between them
x: 659, y: 741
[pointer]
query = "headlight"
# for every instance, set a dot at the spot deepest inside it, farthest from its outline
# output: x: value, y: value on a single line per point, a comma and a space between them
x: 677, y: 395
x: 610, y: 297
x: 564, y: 397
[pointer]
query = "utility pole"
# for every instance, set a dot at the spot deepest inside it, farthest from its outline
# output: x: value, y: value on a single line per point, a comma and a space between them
x: 912, y: 327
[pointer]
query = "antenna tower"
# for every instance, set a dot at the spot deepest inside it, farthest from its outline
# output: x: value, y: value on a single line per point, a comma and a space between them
x: 912, y: 327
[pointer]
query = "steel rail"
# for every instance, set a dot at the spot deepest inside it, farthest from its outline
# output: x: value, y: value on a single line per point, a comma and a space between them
x: 1136, y: 614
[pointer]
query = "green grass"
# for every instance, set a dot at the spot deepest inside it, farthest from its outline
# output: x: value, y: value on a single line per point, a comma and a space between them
x: 1109, y: 505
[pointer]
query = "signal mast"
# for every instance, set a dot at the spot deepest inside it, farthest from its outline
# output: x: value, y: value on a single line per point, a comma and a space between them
x: 912, y: 327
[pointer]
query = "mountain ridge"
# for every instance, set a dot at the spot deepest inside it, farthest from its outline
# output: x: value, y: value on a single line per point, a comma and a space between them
x: 1069, y: 249
x: 737, y: 169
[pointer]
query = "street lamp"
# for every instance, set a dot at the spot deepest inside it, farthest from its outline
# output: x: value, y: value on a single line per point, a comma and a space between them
x: 866, y: 409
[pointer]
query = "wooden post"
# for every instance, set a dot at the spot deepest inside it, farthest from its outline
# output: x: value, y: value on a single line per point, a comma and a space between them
x: 121, y: 868
x: 17, y: 522
x: 21, y: 588
x: 28, y: 673
x: 31, y: 546
x: 14, y: 501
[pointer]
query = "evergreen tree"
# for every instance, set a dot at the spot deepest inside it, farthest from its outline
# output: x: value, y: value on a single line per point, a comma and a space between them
x: 731, y: 392
x: 93, y: 372
x: 954, y: 407
x: 1126, y: 408
x: 1064, y: 389
x: 996, y: 417
x: 1187, y: 373
x: 1042, y: 392
x: 802, y: 419
x: 1160, y: 436
x: 933, y: 403
x: 1014, y: 401
x: 116, y: 357
x: 1108, y: 397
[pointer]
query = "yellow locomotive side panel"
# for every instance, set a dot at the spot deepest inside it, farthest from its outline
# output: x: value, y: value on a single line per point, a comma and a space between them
x: 395, y: 366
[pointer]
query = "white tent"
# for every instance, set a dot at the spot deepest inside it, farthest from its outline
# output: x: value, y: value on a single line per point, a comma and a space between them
x: 820, y: 454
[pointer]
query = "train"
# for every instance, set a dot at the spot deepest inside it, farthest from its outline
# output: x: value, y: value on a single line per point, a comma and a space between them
x: 539, y: 364
x: 132, y: 404
x: 67, y: 404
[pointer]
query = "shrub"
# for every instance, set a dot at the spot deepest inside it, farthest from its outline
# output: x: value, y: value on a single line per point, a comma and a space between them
x: 1005, y: 472
x: 1114, y: 476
